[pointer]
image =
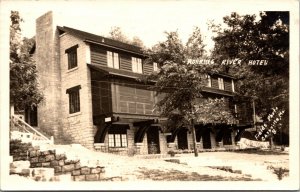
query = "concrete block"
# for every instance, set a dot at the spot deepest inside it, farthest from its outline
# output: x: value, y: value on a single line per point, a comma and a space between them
x: 77, y: 165
x: 61, y: 162
x: 57, y: 169
x: 49, y: 157
x: 92, y: 177
x: 95, y: 170
x: 32, y: 154
x: 68, y: 168
x: 75, y: 172
x: 45, y: 152
x: 85, y: 170
x: 42, y: 159
x: 60, y: 157
x: 47, y: 164
x: 34, y: 160
x: 54, y: 163
x: 79, y: 178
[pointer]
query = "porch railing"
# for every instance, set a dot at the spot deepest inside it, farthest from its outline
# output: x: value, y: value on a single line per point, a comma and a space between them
x: 23, y: 131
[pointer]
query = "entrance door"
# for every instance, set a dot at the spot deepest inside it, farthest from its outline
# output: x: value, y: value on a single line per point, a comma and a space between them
x: 206, y: 139
x: 153, y: 140
x: 182, y: 139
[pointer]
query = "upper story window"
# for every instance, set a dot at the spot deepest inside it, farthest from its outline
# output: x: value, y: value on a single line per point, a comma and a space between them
x: 113, y: 60
x: 74, y: 99
x: 137, y: 66
x: 221, y: 83
x: 232, y: 84
x: 155, y: 67
x: 208, y: 81
x: 72, y: 56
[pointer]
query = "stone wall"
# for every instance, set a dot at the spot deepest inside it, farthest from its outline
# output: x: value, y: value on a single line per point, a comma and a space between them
x: 61, y: 165
x: 77, y: 126
x: 55, y: 79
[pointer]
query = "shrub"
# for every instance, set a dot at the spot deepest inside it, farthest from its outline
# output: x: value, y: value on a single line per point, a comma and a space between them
x: 172, y: 153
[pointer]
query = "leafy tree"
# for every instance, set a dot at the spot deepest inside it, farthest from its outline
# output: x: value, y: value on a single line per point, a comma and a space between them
x: 116, y: 33
x: 181, y: 84
x: 248, y: 38
x: 24, y: 91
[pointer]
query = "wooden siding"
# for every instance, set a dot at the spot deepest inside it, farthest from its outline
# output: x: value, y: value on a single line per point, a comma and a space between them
x: 227, y: 84
x: 214, y: 83
x: 98, y: 56
x: 147, y: 68
x: 125, y: 62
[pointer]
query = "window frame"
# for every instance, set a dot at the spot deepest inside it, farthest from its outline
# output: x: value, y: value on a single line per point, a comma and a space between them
x: 117, y: 140
x: 221, y: 83
x: 113, y: 59
x: 72, y: 57
x: 74, y: 99
x: 137, y: 65
x: 155, y: 67
x: 208, y: 81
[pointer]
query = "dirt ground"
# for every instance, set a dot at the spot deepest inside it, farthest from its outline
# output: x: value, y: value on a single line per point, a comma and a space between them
x: 208, y: 166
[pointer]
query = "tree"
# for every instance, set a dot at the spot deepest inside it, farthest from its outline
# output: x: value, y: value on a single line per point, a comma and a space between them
x: 267, y: 38
x: 181, y: 83
x: 116, y: 33
x: 24, y: 92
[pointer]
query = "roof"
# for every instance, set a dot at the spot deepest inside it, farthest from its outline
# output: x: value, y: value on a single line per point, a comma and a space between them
x: 116, y: 72
x: 92, y: 38
x: 218, y: 91
x: 222, y: 75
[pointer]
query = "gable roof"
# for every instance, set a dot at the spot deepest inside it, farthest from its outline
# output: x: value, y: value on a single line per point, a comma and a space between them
x: 92, y: 38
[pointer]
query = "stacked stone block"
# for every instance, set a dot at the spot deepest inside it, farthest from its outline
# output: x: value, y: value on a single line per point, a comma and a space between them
x: 61, y: 165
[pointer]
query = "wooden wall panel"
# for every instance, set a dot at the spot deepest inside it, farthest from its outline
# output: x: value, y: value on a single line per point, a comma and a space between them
x: 98, y: 56
x: 148, y: 68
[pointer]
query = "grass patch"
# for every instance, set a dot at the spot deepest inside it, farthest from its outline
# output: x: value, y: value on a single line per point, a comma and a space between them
x: 175, y: 175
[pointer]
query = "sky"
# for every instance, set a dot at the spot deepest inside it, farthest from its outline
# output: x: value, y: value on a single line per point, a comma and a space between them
x: 147, y: 20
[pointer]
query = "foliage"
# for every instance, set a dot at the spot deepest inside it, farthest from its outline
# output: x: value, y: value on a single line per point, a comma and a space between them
x: 180, y: 83
x: 23, y: 74
x: 116, y: 33
x: 250, y: 38
x: 16, y: 147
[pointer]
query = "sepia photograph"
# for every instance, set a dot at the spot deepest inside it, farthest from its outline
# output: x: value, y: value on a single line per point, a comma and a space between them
x: 149, y: 95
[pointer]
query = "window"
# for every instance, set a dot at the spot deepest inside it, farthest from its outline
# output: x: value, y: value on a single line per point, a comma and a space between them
x: 117, y: 139
x: 113, y: 60
x: 74, y: 99
x: 72, y: 56
x: 137, y: 66
x: 208, y: 81
x: 155, y: 67
x: 232, y: 84
x: 221, y: 83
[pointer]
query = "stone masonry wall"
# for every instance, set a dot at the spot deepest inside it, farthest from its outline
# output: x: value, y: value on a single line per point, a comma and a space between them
x: 77, y: 126
x: 61, y: 165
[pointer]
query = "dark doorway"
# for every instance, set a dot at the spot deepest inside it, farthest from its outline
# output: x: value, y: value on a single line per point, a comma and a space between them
x: 153, y: 140
x: 206, y: 139
x: 31, y: 116
x: 182, y: 139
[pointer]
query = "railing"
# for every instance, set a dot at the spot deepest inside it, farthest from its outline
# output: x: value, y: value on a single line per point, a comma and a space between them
x: 23, y: 131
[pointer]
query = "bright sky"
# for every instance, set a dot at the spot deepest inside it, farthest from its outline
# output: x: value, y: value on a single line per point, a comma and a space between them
x: 146, y: 19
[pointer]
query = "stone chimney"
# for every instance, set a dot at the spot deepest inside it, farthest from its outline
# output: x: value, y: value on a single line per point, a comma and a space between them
x: 49, y: 75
